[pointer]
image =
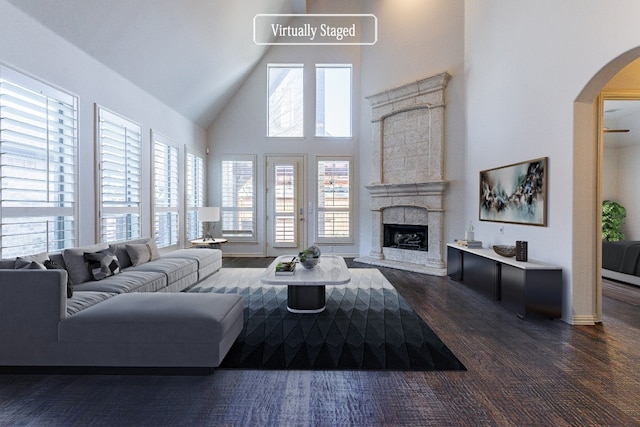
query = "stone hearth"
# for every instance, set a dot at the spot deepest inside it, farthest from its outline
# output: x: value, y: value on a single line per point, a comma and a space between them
x: 408, y: 166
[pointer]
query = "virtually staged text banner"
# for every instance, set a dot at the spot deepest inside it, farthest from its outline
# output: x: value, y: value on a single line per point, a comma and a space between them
x: 309, y: 29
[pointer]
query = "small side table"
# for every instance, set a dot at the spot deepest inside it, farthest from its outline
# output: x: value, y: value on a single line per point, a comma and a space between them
x: 208, y: 244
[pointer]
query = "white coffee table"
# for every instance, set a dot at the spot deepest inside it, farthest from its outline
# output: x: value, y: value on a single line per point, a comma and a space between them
x: 306, y: 288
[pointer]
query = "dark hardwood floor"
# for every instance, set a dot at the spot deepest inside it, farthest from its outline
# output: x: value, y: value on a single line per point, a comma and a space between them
x: 533, y: 372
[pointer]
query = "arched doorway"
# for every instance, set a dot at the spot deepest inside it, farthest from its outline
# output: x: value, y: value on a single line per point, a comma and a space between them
x: 587, y: 222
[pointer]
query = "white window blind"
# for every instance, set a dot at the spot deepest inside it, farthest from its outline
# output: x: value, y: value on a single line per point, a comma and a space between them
x: 166, y: 205
x: 238, y: 198
x: 333, y: 100
x: 120, y: 176
x: 195, y: 194
x: 334, y: 201
x: 38, y: 184
x: 284, y: 212
x: 285, y: 100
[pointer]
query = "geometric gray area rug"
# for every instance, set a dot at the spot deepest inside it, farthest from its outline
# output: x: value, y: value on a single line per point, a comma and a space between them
x: 366, y: 325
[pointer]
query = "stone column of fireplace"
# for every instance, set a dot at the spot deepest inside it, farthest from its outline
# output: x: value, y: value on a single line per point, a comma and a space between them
x: 376, y: 229
x: 408, y: 170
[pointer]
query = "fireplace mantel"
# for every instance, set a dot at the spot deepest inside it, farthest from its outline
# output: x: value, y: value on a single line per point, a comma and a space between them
x: 408, y: 171
x: 433, y: 188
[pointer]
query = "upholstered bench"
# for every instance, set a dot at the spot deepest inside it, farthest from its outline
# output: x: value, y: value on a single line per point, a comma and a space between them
x: 153, y: 329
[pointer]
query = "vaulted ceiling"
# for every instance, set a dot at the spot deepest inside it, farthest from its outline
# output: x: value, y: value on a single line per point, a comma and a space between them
x: 190, y: 54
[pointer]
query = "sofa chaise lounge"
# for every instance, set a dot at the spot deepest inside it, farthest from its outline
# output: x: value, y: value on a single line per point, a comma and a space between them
x: 133, y: 316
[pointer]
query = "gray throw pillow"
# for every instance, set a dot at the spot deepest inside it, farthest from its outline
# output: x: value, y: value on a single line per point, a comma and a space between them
x: 102, y: 264
x: 120, y: 249
x: 139, y: 253
x: 22, y: 264
x: 153, y: 249
x: 40, y: 258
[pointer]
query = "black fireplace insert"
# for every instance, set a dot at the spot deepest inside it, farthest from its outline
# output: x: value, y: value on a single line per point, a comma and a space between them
x: 405, y: 236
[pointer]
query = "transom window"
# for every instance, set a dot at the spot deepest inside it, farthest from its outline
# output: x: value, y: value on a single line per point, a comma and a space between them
x: 333, y: 100
x: 38, y: 178
x: 286, y: 100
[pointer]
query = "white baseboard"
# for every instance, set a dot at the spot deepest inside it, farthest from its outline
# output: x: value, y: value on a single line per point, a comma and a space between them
x: 582, y: 320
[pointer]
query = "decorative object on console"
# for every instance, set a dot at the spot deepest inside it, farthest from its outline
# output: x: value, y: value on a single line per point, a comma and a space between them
x: 210, y: 215
x: 505, y: 250
x: 522, y: 250
x: 515, y: 193
x: 310, y: 257
x: 468, y: 235
x: 472, y: 244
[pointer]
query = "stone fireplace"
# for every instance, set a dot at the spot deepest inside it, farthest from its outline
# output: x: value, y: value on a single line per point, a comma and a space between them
x: 408, y: 185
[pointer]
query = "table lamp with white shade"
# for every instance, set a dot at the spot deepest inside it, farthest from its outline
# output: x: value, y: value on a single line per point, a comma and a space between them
x: 210, y: 215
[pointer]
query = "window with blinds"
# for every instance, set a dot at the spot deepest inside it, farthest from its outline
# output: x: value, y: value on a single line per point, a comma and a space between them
x: 195, y: 194
x: 238, y: 210
x: 38, y: 173
x: 119, y: 171
x: 334, y: 201
x: 166, y: 184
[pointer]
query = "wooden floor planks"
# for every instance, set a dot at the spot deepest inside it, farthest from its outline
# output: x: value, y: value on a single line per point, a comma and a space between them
x: 534, y: 372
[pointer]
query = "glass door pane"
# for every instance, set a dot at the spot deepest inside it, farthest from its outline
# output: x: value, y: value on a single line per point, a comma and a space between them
x: 285, y: 203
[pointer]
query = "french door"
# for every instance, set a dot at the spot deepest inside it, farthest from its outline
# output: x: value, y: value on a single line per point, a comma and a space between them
x: 286, y: 222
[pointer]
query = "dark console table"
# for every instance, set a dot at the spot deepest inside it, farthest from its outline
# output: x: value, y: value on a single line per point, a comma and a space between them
x: 525, y: 288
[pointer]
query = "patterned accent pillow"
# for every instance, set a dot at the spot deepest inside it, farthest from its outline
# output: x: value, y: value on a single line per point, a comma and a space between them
x: 51, y: 265
x: 39, y: 258
x: 102, y: 264
x: 76, y: 264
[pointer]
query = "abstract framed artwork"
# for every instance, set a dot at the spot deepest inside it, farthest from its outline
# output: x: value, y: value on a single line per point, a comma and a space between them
x: 515, y: 193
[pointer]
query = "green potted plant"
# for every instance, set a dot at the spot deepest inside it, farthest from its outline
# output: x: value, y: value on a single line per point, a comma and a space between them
x: 613, y: 215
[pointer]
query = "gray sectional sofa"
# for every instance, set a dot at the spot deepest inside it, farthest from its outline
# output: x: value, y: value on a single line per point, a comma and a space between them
x: 133, y: 316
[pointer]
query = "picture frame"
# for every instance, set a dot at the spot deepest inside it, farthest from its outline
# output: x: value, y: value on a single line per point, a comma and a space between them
x: 516, y: 193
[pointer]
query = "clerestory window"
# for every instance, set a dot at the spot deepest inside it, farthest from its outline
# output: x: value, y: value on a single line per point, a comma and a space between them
x: 285, y: 100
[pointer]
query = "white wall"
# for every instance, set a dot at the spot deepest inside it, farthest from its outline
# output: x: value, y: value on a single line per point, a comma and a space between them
x: 417, y: 40
x: 28, y: 46
x: 620, y: 177
x: 525, y: 65
x: 241, y: 128
x: 620, y: 174
x: 629, y: 195
x: 611, y: 174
